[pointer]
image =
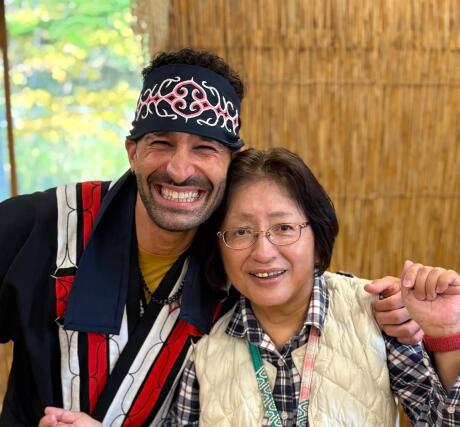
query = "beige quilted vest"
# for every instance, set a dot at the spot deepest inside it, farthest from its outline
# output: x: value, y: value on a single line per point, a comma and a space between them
x: 350, y: 383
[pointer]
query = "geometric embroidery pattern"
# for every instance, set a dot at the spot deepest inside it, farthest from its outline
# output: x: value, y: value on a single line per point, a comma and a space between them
x: 188, y: 100
x: 267, y: 397
x: 264, y: 386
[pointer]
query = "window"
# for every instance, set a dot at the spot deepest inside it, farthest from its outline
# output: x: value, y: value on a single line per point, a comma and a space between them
x: 75, y: 72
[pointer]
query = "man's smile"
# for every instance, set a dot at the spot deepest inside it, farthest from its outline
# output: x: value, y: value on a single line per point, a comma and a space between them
x: 179, y: 196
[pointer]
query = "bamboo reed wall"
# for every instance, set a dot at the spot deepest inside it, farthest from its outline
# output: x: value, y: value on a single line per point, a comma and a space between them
x: 365, y: 91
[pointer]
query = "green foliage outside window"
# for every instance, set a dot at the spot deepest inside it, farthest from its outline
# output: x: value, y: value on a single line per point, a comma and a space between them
x: 75, y: 69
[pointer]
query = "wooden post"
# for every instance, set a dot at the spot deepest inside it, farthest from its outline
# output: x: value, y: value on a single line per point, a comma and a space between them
x: 6, y: 84
x: 6, y: 350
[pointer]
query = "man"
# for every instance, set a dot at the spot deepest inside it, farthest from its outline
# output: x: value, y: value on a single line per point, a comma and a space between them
x: 76, y: 307
x: 100, y: 283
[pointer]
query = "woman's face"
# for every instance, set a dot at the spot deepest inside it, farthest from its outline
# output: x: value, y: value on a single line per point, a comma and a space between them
x: 269, y: 276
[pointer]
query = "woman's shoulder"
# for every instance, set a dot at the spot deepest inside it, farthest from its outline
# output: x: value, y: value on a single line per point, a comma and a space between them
x: 221, y: 325
x: 350, y: 290
x: 340, y: 279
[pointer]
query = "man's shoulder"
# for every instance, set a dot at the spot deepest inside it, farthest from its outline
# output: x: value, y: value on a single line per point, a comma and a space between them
x: 24, y: 207
x: 46, y: 198
x: 23, y: 211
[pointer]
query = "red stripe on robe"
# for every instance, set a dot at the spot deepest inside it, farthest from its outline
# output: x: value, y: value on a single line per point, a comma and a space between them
x: 62, y: 288
x: 97, y: 367
x: 154, y: 383
x: 91, y: 202
x: 97, y: 343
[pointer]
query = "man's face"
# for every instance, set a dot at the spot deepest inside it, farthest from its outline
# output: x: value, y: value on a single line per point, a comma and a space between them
x: 180, y: 177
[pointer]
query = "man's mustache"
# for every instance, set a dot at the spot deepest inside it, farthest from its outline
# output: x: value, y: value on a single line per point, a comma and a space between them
x: 192, y: 181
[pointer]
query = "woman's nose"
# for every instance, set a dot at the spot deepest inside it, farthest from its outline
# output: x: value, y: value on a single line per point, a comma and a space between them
x: 263, y: 250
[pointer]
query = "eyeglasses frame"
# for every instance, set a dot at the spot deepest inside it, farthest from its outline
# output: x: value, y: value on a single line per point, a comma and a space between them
x: 265, y: 233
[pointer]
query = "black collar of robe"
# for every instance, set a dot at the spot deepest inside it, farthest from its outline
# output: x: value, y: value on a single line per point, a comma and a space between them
x: 99, y: 292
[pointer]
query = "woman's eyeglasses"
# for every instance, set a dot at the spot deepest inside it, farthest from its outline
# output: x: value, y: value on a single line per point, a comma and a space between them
x: 279, y: 234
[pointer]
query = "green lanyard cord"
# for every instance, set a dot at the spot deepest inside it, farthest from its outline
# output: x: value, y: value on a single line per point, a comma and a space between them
x: 263, y: 383
x: 265, y: 388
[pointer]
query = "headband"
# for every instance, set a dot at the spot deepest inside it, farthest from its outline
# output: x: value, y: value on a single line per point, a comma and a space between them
x: 191, y: 99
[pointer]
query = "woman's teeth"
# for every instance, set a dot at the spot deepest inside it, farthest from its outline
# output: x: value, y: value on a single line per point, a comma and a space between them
x: 266, y: 274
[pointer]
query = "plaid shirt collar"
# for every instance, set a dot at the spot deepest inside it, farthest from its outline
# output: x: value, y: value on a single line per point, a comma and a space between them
x: 243, y: 322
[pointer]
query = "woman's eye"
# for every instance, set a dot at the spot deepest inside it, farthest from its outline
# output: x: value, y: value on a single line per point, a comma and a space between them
x: 240, y: 232
x: 284, y: 228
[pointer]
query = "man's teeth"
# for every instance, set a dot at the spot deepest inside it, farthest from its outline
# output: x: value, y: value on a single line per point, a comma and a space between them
x: 269, y: 274
x: 179, y: 196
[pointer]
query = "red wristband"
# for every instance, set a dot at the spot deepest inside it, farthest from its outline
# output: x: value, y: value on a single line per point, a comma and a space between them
x: 446, y: 343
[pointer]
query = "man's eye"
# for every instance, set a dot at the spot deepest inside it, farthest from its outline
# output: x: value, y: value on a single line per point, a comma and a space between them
x: 206, y: 148
x: 159, y: 143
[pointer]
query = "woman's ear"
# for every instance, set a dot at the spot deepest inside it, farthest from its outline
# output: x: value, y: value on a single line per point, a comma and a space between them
x: 317, y: 258
x: 317, y: 264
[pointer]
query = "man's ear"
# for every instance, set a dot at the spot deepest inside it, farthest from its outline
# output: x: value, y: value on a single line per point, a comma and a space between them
x: 131, y: 149
x: 235, y: 152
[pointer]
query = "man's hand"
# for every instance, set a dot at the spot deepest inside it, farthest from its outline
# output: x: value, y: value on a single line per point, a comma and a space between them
x: 390, y: 312
x: 432, y: 297
x: 57, y: 417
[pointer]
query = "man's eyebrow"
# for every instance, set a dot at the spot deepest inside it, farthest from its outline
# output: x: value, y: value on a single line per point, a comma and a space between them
x: 166, y: 133
x: 206, y: 139
x: 159, y: 133
x: 216, y: 144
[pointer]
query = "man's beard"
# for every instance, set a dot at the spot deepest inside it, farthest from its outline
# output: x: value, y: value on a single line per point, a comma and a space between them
x: 177, y: 219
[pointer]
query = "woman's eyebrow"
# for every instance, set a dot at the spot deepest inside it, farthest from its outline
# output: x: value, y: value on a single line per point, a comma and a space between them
x: 279, y: 214
x: 249, y: 216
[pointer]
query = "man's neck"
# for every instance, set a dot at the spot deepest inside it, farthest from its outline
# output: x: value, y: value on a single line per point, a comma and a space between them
x: 157, y: 241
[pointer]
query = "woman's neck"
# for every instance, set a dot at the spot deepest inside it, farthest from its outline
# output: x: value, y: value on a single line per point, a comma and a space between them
x: 281, y: 323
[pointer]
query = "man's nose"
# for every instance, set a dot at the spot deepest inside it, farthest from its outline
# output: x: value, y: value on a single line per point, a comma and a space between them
x: 180, y: 166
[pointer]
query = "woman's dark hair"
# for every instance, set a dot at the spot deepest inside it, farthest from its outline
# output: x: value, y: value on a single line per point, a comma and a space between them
x: 288, y: 170
x: 200, y: 58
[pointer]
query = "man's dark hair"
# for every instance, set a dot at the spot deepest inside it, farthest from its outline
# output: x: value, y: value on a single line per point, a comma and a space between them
x: 200, y: 58
x: 288, y: 170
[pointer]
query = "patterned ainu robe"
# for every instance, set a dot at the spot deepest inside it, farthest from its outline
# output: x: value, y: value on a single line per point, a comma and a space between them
x: 70, y: 299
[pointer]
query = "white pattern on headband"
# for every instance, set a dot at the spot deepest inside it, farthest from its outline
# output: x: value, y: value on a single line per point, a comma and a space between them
x: 175, y: 96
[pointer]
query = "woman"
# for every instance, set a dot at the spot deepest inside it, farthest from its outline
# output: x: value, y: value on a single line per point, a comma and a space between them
x: 301, y: 346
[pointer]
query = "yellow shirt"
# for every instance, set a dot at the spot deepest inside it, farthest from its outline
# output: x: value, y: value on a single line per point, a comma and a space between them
x: 153, y: 268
